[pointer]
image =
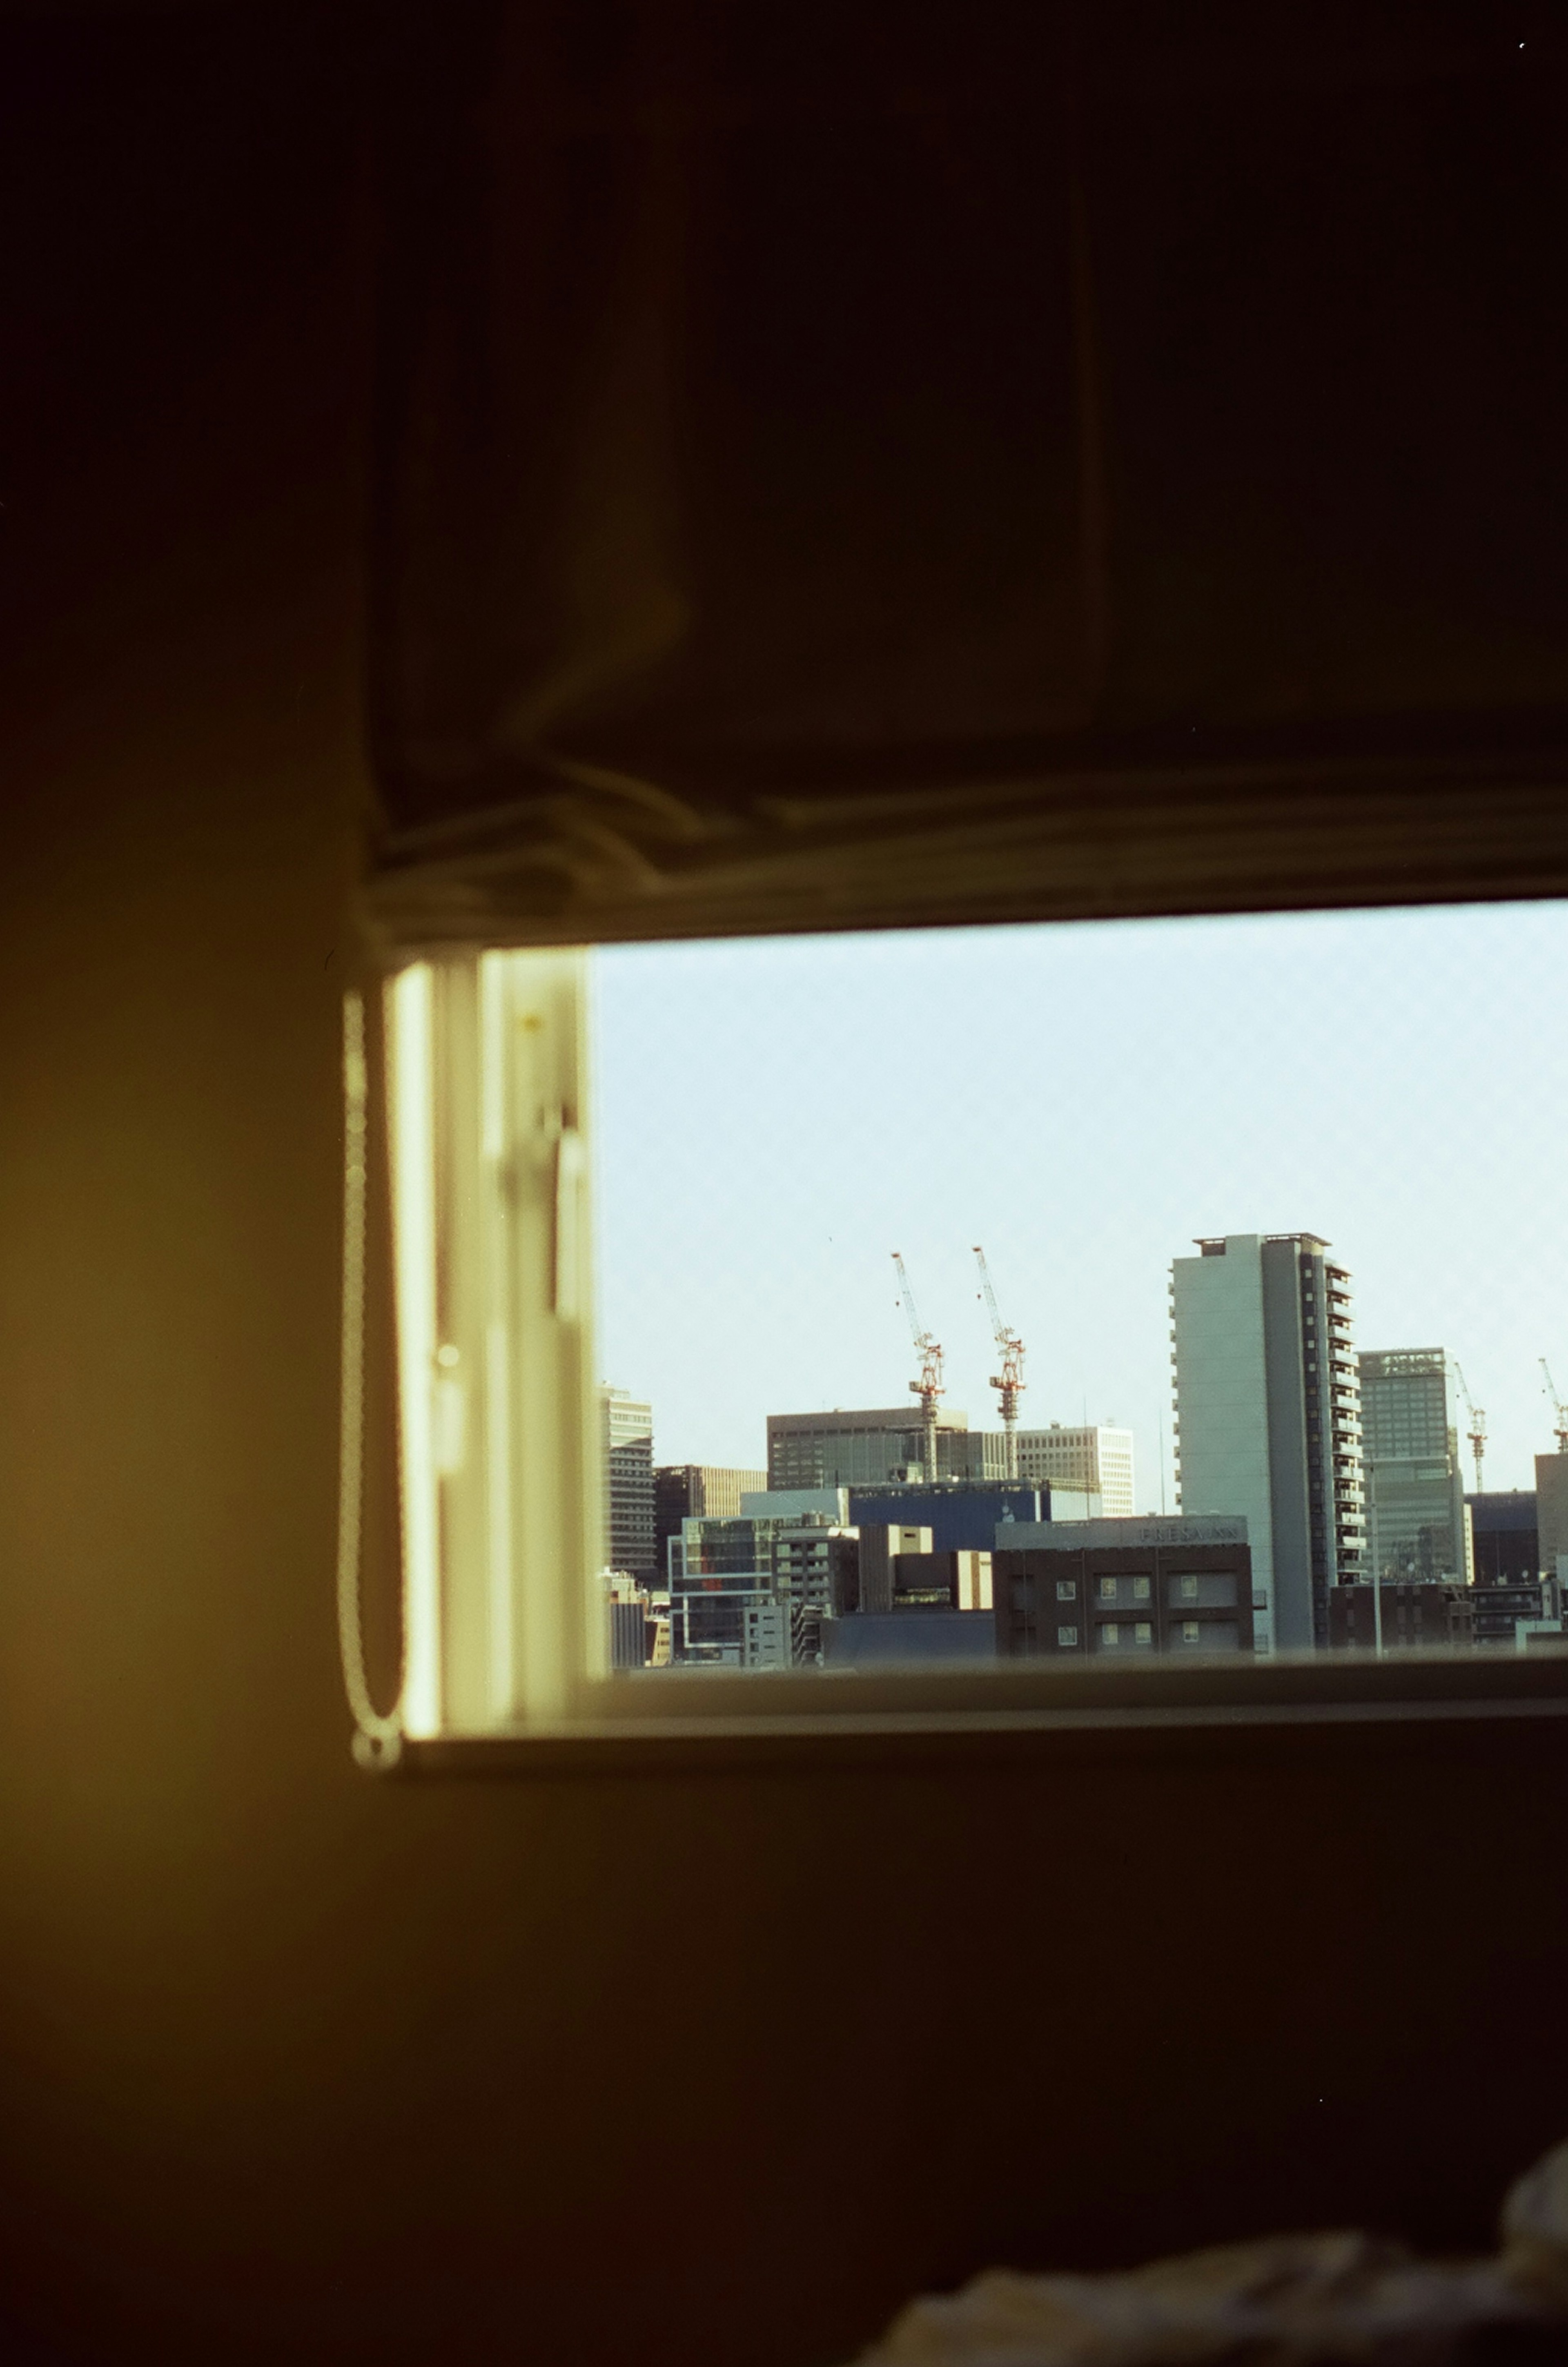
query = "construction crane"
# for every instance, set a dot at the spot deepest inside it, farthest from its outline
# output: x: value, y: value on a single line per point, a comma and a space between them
x: 1477, y: 1431
x: 1009, y: 1383
x: 928, y: 1388
x: 1558, y: 1408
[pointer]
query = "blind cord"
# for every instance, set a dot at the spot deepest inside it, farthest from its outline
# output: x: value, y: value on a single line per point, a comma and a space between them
x: 377, y: 1737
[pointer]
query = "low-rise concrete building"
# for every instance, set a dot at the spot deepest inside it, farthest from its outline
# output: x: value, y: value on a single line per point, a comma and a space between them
x: 1072, y: 1589
x: 1414, y: 1617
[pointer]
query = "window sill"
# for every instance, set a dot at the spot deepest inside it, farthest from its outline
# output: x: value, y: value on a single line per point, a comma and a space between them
x: 808, y: 1722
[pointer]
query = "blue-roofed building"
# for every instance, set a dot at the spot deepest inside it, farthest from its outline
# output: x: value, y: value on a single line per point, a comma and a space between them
x: 962, y: 1515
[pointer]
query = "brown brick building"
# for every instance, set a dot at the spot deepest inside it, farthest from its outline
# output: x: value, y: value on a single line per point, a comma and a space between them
x: 1413, y: 1617
x: 1133, y: 1588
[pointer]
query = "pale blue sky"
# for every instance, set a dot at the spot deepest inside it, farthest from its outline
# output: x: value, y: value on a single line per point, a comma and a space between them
x: 775, y: 1117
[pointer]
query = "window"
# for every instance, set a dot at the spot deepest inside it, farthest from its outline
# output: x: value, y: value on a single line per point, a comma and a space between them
x: 522, y: 1269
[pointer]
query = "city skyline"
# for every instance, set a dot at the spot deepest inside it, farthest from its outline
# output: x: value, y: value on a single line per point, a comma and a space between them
x: 774, y: 1116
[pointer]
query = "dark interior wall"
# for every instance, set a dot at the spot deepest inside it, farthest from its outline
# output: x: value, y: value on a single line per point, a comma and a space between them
x: 710, y: 2065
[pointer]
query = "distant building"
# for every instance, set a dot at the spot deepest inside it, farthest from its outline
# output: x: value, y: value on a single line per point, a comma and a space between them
x: 639, y: 1626
x: 1414, y: 1617
x: 628, y: 1632
x: 920, y: 1639
x: 1417, y: 1521
x: 1096, y: 1461
x: 1268, y: 1420
x: 758, y: 1591
x: 831, y: 1504
x: 684, y: 1490
x: 962, y: 1515
x: 1075, y: 1589
x: 973, y: 1455
x: 882, y: 1545
x: 955, y: 1580
x: 1551, y: 1509
x: 856, y: 1448
x: 627, y: 1435
x: 1502, y: 1608
x: 1505, y: 1535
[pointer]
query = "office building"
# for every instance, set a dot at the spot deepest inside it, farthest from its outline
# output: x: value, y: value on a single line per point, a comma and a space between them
x: 1417, y: 1521
x: 800, y: 1572
x: 973, y: 1455
x: 682, y: 1491
x: 1414, y: 1616
x: 1268, y: 1416
x: 1551, y: 1509
x: 829, y: 1504
x: 850, y: 1448
x: 1502, y: 1525
x: 1075, y: 1589
x: 962, y: 1515
x: 1096, y: 1460
x: 1502, y: 1610
x: 627, y: 1435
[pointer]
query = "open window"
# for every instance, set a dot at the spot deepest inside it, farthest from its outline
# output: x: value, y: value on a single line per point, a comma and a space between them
x: 700, y: 1553
x: 1049, y: 470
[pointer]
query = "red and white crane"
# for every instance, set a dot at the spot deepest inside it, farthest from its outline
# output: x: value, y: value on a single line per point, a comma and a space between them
x: 1558, y: 1408
x: 929, y: 1388
x: 1477, y: 1431
x: 1008, y: 1384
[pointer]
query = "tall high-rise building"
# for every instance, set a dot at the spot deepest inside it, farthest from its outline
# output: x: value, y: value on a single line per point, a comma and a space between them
x: 1504, y: 1528
x: 1417, y: 1520
x: 1552, y: 1510
x: 682, y: 1491
x: 627, y: 1434
x: 1268, y: 1418
x: 1096, y: 1460
x: 853, y: 1447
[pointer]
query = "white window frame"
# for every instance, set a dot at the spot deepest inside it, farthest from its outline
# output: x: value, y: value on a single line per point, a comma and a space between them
x: 505, y: 1638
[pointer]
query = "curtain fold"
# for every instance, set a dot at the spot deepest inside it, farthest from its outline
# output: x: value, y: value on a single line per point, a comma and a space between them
x: 837, y: 466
